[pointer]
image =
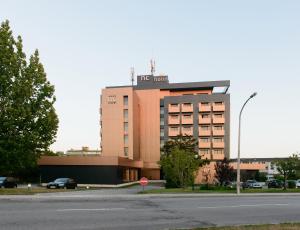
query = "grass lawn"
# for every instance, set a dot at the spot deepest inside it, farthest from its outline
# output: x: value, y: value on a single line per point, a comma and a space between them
x: 25, y: 191
x: 295, y: 226
x: 215, y: 190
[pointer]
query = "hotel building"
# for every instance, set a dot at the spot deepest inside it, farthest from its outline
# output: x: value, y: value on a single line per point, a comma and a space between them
x: 137, y: 120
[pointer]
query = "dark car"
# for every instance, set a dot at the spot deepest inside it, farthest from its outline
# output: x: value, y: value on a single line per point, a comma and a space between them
x: 275, y: 184
x: 68, y: 183
x: 8, y: 182
x: 249, y: 184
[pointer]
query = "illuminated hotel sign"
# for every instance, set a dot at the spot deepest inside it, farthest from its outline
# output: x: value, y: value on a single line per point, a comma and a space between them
x: 151, y: 80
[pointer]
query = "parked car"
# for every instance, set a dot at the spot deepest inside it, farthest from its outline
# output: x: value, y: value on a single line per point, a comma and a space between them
x: 8, y: 182
x: 251, y: 184
x: 298, y: 183
x: 275, y: 184
x: 230, y: 184
x: 68, y: 183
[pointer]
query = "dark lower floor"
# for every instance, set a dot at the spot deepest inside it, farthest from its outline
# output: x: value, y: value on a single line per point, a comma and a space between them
x: 87, y: 174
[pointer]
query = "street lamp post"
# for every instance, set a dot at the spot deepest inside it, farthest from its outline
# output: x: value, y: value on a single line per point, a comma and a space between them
x: 238, y: 178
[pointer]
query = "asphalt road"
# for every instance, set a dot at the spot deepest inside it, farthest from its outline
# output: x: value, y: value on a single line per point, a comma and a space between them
x: 129, y: 211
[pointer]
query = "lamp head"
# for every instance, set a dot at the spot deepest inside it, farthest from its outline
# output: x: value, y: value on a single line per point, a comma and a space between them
x: 253, y: 95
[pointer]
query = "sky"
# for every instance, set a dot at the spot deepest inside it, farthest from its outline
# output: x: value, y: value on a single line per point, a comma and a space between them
x: 88, y: 45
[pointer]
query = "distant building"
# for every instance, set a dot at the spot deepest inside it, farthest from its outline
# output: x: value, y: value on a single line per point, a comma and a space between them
x: 84, y: 151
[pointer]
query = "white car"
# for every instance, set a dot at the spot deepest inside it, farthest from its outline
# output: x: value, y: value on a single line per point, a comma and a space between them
x: 298, y: 183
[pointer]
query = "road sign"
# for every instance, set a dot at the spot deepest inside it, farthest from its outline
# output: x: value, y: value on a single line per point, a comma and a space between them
x: 144, y: 181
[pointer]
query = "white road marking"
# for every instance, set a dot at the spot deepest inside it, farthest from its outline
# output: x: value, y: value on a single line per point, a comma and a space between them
x: 89, y: 209
x: 243, y: 205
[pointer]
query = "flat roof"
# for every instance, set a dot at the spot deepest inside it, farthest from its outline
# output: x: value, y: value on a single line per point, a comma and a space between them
x: 224, y: 84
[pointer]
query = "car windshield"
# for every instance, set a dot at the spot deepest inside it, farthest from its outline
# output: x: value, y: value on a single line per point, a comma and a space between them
x: 2, y: 178
x: 61, y: 180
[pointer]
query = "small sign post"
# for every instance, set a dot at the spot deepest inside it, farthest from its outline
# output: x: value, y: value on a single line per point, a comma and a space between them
x: 143, y: 182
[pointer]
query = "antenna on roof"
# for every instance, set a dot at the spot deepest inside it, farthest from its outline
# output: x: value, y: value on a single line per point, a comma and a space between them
x: 132, y: 75
x: 152, y: 64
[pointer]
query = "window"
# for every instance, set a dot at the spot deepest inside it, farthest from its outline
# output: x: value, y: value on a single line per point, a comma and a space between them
x: 204, y: 128
x: 125, y: 114
x: 205, y: 140
x: 111, y: 99
x: 174, y: 129
x: 187, y: 104
x: 187, y: 128
x: 162, y: 143
x: 187, y: 116
x: 218, y: 115
x: 125, y: 100
x: 162, y: 121
x: 162, y: 133
x: 218, y: 140
x: 205, y: 116
x: 162, y: 111
x: 126, y: 151
x: 125, y: 127
x: 174, y: 105
x: 204, y: 104
x: 125, y: 139
x: 219, y: 127
x: 218, y: 151
x: 174, y: 116
x: 219, y: 103
x: 204, y: 151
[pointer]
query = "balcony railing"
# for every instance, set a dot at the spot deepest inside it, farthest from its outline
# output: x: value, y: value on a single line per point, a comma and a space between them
x: 173, y: 120
x: 218, y: 132
x: 204, y: 108
x: 218, y: 120
x: 204, y: 120
x: 217, y: 108
x: 173, y: 133
x: 187, y: 108
x: 204, y: 144
x: 204, y: 132
x: 187, y: 132
x: 187, y: 120
x: 218, y: 144
x: 174, y: 109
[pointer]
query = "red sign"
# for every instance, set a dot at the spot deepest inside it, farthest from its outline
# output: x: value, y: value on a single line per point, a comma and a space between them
x: 144, y: 181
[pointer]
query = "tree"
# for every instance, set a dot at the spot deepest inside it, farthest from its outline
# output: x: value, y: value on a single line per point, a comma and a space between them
x: 180, y: 161
x: 287, y: 167
x: 224, y: 172
x: 28, y: 121
x: 187, y: 143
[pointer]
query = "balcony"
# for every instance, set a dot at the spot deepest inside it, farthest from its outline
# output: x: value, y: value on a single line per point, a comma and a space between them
x: 187, y: 131
x: 204, y: 120
x: 206, y: 145
x: 205, y: 156
x: 218, y: 120
x: 173, y: 132
x: 218, y: 108
x: 174, y: 120
x: 187, y: 108
x: 185, y: 120
x: 218, y: 132
x: 218, y: 145
x: 218, y: 156
x: 204, y: 107
x: 174, y: 108
x: 203, y: 132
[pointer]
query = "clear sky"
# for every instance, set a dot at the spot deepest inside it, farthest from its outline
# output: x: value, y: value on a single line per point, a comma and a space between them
x: 87, y: 45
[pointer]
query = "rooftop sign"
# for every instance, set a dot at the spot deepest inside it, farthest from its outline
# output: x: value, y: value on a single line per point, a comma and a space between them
x: 151, y: 80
